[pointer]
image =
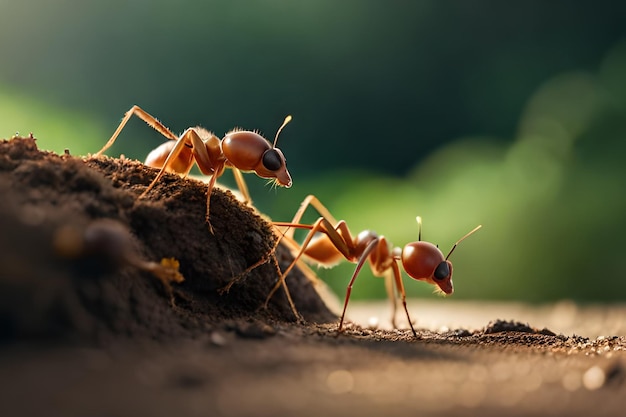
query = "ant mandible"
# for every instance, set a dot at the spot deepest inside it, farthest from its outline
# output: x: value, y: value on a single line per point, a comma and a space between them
x: 240, y: 150
x: 421, y: 260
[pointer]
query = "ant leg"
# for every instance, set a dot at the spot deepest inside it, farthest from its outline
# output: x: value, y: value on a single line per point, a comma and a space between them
x: 270, y: 255
x: 400, y: 288
x: 294, y: 310
x: 209, y: 190
x: 294, y: 247
x: 339, y: 236
x: 208, y: 155
x: 146, y: 117
x: 241, y: 184
x: 313, y: 229
x: 392, y: 297
x: 190, y: 136
x: 370, y: 247
x: 311, y: 200
x: 265, y: 259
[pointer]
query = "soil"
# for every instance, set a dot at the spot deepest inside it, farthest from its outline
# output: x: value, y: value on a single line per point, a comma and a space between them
x: 96, y: 320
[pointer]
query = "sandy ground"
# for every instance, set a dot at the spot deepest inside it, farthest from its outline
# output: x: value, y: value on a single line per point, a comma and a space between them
x: 91, y: 325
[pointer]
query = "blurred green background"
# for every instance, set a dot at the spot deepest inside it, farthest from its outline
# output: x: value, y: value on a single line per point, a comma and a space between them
x: 506, y: 114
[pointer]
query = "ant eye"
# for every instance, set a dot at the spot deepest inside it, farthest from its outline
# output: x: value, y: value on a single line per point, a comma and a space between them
x: 271, y: 160
x: 442, y: 271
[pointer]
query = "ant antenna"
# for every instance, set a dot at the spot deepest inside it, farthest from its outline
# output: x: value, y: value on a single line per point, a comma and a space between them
x: 460, y: 240
x: 419, y: 228
x: 287, y: 120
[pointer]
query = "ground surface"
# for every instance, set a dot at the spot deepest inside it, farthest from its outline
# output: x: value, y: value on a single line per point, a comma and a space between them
x: 87, y: 328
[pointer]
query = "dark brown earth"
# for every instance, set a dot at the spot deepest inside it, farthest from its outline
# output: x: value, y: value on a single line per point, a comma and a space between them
x: 88, y: 328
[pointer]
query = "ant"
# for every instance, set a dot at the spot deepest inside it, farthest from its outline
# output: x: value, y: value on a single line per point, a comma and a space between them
x: 421, y: 260
x: 240, y: 150
x: 111, y: 243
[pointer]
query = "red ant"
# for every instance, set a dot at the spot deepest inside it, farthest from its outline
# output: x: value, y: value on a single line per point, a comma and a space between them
x: 421, y: 260
x: 240, y: 150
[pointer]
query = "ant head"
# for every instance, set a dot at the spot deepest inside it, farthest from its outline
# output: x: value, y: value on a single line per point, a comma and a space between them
x: 249, y: 151
x: 274, y: 165
x: 425, y: 262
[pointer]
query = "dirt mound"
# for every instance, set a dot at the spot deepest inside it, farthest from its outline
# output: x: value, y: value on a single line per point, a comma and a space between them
x: 75, y: 241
